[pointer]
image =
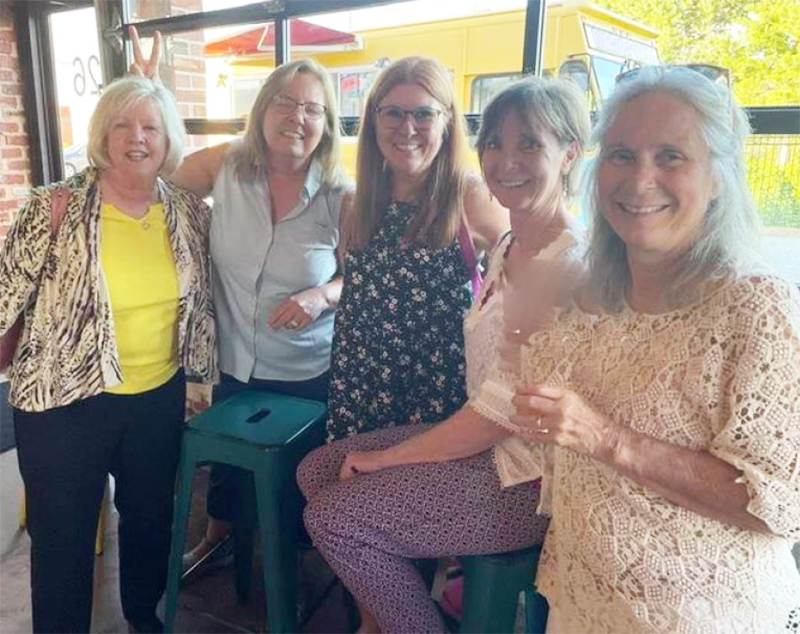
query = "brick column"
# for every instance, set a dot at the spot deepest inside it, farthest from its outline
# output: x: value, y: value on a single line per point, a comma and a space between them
x: 15, y: 173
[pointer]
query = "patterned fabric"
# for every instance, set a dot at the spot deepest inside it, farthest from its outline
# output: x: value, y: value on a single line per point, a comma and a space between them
x: 369, y: 529
x: 721, y: 376
x: 398, y: 346
x: 67, y: 349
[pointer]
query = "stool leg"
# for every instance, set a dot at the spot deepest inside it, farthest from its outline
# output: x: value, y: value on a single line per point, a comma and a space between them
x: 180, y: 520
x: 536, y: 611
x: 491, y: 590
x: 243, y: 538
x: 278, y: 553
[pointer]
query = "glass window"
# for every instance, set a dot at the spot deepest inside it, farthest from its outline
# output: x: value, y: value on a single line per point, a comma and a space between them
x: 605, y: 73
x: 486, y: 87
x: 78, y: 81
x: 151, y: 9
x: 353, y: 88
x: 774, y: 173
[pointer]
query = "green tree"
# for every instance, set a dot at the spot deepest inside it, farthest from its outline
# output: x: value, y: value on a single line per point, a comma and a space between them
x: 758, y: 40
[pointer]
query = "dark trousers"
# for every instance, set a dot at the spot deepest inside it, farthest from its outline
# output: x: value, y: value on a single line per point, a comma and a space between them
x: 231, y: 492
x: 65, y: 455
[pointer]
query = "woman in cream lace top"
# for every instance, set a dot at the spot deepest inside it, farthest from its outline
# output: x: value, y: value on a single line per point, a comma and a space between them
x: 673, y: 417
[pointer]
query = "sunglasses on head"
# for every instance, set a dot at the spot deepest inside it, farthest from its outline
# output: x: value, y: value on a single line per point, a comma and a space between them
x: 715, y: 74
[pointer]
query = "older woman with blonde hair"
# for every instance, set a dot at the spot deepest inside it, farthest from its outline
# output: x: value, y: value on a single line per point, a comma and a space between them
x: 665, y: 412
x: 116, y: 307
x: 277, y: 195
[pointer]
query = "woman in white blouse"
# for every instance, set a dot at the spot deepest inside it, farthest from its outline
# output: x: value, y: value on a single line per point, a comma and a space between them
x: 674, y: 413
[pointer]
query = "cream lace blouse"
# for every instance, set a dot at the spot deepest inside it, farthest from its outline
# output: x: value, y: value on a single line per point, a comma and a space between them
x: 721, y: 376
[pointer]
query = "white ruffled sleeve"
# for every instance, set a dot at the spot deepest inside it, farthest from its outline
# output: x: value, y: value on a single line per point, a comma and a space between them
x: 761, y: 436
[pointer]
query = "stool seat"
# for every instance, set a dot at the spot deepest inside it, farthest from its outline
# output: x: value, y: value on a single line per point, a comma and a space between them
x: 492, y: 584
x: 267, y: 434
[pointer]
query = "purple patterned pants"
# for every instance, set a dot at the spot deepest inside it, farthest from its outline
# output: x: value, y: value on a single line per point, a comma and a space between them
x: 371, y: 527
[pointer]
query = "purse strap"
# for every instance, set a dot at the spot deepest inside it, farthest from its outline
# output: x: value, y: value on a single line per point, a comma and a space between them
x: 470, y: 257
x: 10, y: 339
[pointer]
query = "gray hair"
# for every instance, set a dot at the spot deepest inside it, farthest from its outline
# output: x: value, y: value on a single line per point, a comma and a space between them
x: 125, y: 93
x: 555, y: 103
x: 728, y: 244
x: 250, y: 158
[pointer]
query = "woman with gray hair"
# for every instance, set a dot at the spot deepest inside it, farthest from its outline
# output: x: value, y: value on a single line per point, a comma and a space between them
x: 435, y: 490
x: 665, y: 413
x: 109, y: 270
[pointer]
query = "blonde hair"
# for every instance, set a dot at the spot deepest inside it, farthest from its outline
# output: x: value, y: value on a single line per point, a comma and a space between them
x: 126, y: 93
x: 442, y: 195
x: 250, y: 158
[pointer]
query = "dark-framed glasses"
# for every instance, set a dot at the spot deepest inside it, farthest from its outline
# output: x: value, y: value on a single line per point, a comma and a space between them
x: 715, y: 74
x: 286, y: 105
x: 393, y: 116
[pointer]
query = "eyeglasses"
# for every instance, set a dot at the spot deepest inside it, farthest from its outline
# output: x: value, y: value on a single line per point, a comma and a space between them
x: 286, y: 105
x: 392, y: 117
x: 715, y: 74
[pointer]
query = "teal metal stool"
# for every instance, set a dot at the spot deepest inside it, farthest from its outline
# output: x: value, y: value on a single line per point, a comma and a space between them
x: 492, y: 584
x: 267, y: 434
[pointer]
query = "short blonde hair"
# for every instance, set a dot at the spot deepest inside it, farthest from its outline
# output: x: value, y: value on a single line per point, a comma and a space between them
x: 250, y: 158
x: 125, y: 93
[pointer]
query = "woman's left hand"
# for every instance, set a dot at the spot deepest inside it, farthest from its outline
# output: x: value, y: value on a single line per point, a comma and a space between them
x: 558, y: 416
x: 147, y: 68
x: 360, y: 462
x: 299, y: 310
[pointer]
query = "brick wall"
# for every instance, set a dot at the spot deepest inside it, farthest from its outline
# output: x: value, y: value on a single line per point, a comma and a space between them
x: 15, y: 175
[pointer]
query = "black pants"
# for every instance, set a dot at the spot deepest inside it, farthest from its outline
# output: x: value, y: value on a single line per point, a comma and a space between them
x: 231, y: 491
x: 65, y: 455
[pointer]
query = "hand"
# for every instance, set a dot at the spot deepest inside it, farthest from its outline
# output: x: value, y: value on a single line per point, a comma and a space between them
x: 360, y: 462
x: 558, y: 416
x: 149, y: 68
x: 298, y: 311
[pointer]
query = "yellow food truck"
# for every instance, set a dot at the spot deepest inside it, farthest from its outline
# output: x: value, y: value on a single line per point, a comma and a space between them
x: 482, y: 52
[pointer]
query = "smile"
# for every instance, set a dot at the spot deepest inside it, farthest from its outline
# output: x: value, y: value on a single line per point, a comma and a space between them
x: 407, y: 147
x: 136, y: 156
x: 641, y: 210
x: 293, y: 135
x: 512, y: 184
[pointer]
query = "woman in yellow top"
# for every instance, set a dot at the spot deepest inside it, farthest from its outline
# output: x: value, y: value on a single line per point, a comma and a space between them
x: 116, y: 307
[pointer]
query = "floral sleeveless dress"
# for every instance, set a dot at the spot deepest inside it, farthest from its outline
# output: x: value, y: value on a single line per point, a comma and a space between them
x: 398, y: 343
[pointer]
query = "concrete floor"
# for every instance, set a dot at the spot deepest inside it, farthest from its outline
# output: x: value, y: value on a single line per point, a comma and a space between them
x: 208, y: 604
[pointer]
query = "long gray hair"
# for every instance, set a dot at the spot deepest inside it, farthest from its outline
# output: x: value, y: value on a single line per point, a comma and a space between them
x: 728, y: 244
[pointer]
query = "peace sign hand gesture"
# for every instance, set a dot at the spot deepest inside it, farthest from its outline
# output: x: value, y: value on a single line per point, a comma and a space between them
x: 148, y: 68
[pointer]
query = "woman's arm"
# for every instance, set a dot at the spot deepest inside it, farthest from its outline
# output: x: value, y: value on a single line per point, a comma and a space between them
x: 303, y: 308
x: 199, y: 170
x: 696, y: 480
x: 23, y: 256
x: 464, y: 434
x: 486, y: 219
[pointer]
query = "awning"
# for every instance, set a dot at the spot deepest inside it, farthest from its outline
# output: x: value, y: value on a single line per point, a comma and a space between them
x: 303, y: 37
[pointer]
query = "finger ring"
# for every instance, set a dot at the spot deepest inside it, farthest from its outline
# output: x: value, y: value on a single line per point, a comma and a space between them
x: 293, y: 323
x: 539, y: 422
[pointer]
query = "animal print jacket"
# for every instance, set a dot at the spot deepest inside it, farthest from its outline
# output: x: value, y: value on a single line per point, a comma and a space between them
x: 67, y: 350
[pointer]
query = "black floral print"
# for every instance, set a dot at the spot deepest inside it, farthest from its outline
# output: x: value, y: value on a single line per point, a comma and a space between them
x: 398, y: 344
